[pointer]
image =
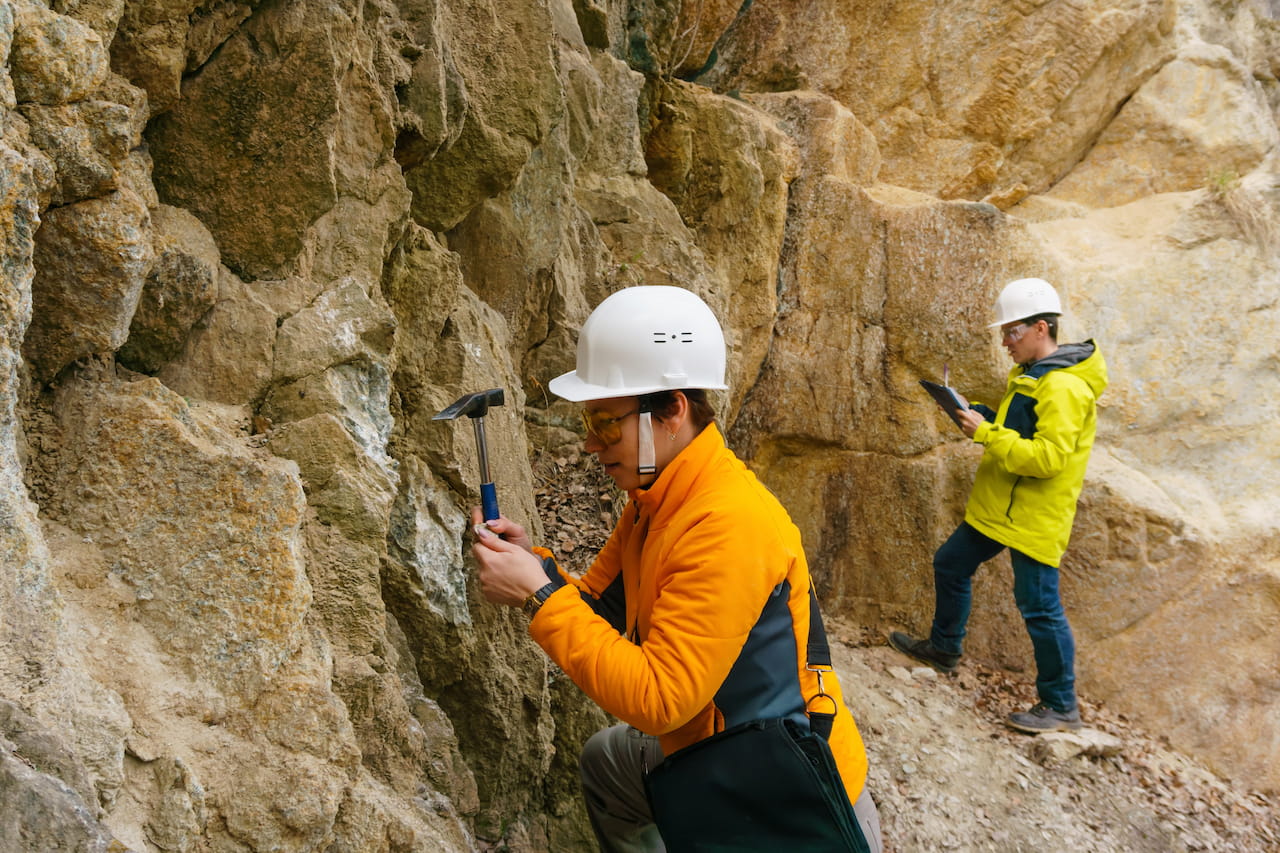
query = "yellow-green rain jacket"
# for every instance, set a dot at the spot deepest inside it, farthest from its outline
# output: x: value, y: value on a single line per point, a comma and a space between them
x: 1037, y: 447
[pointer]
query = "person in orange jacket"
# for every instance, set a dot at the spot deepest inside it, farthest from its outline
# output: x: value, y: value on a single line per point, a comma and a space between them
x: 694, y: 616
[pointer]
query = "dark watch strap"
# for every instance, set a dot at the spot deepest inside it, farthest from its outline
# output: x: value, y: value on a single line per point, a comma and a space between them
x: 534, y: 601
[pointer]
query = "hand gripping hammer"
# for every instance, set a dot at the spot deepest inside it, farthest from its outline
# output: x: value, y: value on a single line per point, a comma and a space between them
x: 476, y: 406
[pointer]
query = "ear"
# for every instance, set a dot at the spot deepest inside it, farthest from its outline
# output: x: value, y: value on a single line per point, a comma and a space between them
x: 685, y: 408
x: 679, y: 412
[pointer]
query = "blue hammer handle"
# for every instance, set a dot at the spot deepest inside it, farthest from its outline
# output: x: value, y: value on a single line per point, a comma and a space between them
x: 489, y: 501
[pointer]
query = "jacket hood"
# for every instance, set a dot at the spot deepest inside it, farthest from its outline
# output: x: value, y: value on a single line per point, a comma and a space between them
x: 1082, y: 359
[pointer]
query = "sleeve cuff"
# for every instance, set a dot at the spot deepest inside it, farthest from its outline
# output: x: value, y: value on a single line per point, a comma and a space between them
x: 549, y: 566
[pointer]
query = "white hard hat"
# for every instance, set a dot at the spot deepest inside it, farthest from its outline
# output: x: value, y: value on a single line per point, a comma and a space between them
x: 1023, y: 298
x: 645, y: 339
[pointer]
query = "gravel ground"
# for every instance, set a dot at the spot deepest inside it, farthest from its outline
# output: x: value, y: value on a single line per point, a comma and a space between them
x: 949, y: 775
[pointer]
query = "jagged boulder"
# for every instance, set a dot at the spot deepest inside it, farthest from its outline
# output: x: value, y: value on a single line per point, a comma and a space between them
x: 40, y: 811
x: 228, y: 355
x: 278, y: 168
x: 1171, y: 136
x: 88, y: 140
x: 53, y: 59
x: 155, y: 44
x: 509, y: 90
x: 734, y: 199
x: 180, y: 288
x: 233, y: 628
x: 1220, y: 627
x: 967, y: 100
x: 91, y: 260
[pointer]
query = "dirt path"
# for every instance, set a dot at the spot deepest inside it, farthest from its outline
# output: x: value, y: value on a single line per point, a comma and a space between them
x: 948, y: 775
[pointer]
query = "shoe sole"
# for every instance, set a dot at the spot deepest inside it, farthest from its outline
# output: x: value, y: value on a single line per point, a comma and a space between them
x: 1034, y: 730
x: 945, y: 670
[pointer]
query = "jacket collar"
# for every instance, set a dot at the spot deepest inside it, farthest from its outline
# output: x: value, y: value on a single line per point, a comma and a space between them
x: 677, y: 480
x: 1066, y: 355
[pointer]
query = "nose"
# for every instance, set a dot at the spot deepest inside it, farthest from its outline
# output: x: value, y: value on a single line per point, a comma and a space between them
x: 593, y: 444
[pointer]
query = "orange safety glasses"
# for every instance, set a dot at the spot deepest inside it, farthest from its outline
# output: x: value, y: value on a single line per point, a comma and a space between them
x: 604, y: 426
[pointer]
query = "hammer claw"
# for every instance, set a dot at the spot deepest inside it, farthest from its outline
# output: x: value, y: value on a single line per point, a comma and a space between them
x: 476, y: 406
x: 472, y: 405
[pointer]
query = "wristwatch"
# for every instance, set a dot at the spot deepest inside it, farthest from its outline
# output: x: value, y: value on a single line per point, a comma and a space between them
x: 534, y: 601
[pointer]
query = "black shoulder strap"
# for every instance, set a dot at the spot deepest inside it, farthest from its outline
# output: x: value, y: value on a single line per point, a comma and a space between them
x: 818, y: 656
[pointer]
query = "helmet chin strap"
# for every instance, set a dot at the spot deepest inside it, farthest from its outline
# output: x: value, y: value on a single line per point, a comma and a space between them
x: 648, y: 456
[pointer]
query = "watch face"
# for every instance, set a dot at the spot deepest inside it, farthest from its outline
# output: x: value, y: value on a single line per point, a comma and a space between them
x: 533, y: 602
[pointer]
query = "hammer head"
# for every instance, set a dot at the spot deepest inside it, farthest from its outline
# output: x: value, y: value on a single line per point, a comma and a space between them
x: 472, y: 405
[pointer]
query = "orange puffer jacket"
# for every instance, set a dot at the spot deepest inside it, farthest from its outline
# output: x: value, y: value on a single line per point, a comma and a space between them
x: 710, y: 564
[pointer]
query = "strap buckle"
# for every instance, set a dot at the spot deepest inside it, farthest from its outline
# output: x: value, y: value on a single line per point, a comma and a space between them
x: 822, y: 692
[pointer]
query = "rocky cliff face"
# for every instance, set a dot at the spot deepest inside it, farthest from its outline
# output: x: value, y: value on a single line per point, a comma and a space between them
x: 248, y: 249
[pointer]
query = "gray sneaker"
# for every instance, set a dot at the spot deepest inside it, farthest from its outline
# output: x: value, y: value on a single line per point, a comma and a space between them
x: 923, y: 651
x: 1042, y: 718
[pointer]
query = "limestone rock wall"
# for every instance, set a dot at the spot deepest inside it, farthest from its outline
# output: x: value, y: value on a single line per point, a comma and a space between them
x: 249, y: 249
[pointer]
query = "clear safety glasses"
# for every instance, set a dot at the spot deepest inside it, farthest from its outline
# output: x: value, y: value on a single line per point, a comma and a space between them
x: 605, y: 426
x: 1014, y: 333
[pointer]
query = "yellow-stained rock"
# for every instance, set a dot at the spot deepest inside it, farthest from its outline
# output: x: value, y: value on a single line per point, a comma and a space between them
x: 1201, y: 118
x: 180, y: 288
x: 204, y: 534
x: 965, y: 99
x: 725, y: 192
x: 53, y: 59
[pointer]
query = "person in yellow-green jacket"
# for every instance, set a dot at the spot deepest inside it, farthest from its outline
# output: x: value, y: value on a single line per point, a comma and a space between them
x: 694, y: 617
x: 1036, y: 447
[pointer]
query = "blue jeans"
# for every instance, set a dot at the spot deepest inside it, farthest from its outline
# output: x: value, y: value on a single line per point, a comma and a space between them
x: 1035, y: 589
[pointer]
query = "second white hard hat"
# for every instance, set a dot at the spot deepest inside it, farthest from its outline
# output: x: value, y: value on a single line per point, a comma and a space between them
x: 645, y: 339
x: 1023, y: 298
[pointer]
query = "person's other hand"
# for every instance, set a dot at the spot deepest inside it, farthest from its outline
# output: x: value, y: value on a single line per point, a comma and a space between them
x: 508, y: 572
x: 970, y: 421
x: 504, y: 527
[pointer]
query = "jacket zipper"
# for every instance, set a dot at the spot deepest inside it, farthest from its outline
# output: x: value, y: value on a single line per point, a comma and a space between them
x: 1008, y: 511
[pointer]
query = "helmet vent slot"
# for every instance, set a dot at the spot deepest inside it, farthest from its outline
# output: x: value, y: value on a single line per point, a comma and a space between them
x: 673, y: 337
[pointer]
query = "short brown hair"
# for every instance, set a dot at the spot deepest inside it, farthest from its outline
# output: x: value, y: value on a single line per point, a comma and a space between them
x: 1050, y: 320
x: 663, y: 403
